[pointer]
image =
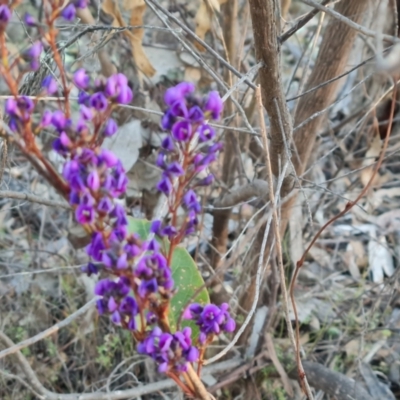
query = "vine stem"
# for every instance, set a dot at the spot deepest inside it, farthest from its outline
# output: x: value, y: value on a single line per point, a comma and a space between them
x: 199, y: 387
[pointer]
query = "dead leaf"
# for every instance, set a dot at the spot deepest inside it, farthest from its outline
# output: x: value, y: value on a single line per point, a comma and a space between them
x: 204, y: 17
x: 380, y: 258
x: 125, y: 144
x: 137, y: 9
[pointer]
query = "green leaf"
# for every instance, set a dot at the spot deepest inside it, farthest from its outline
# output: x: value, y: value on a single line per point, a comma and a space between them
x: 185, y: 273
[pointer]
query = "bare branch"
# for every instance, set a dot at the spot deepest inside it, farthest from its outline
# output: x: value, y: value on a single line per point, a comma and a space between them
x: 7, y: 194
x: 257, y: 188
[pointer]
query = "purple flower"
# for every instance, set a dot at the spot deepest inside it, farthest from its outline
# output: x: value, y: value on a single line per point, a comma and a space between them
x: 29, y: 20
x: 85, y: 214
x: 83, y: 98
x: 179, y: 109
x: 5, y: 14
x: 206, y: 133
x: 46, y: 118
x: 81, y: 79
x: 69, y: 12
x: 169, y: 231
x: 105, y: 205
x: 93, y: 180
x: 211, y: 319
x: 59, y: 120
x: 165, y: 185
x: 182, y: 131
x: 11, y: 107
x: 128, y: 306
x: 86, y: 113
x: 167, y: 120
x: 99, y: 102
x: 108, y: 157
x: 170, y: 351
x: 167, y: 144
x: 118, y: 89
x: 147, y: 287
x: 33, y: 54
x: 110, y: 128
x: 214, y: 105
x: 196, y: 114
x: 90, y: 269
x: 191, y: 202
x: 96, y: 247
x: 178, y: 92
x: 174, y: 169
x: 50, y: 84
x: 155, y: 227
x: 21, y: 107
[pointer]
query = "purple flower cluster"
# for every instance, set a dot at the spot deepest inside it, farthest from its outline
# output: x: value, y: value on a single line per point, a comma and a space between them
x: 140, y: 284
x: 187, y: 152
x: 211, y: 319
x: 170, y: 351
x: 117, y: 301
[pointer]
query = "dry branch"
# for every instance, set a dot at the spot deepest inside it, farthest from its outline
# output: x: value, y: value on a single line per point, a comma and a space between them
x: 8, y: 194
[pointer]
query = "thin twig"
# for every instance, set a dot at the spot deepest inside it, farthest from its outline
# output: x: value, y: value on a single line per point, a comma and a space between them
x: 8, y: 194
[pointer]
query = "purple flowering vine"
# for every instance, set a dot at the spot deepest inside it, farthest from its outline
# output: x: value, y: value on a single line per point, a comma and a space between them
x: 135, y: 285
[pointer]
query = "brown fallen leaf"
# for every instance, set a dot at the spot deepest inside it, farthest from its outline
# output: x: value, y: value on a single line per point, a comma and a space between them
x: 137, y: 9
x: 204, y: 17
